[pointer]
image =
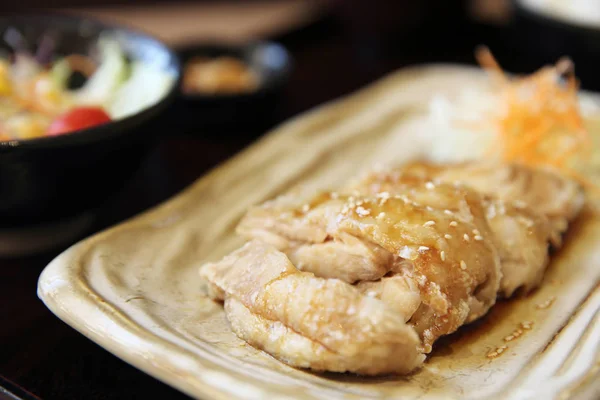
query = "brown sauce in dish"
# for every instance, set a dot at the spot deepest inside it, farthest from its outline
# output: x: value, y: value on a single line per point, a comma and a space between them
x: 220, y: 75
x: 469, y: 334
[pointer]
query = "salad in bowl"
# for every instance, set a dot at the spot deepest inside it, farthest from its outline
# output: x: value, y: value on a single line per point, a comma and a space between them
x: 82, y: 103
x: 42, y: 95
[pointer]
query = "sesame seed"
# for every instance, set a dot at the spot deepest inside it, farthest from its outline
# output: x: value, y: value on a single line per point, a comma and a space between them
x: 519, y: 204
x: 383, y: 197
x: 453, y: 223
x: 408, y: 253
x: 447, y: 236
x: 334, y: 195
x: 403, y: 198
x: 423, y: 248
x: 443, y: 255
x: 448, y: 212
x: 362, y: 211
x: 501, y: 209
x: 478, y: 237
x: 428, y: 208
x: 305, y: 208
x: 381, y: 215
x: 509, y: 338
x: 476, y: 232
x: 525, y: 221
x: 429, y: 223
x: 463, y: 265
x: 546, y: 303
x: 430, y: 185
x: 466, y: 237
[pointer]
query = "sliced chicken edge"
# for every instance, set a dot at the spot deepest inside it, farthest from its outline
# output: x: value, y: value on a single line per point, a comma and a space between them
x: 325, y: 312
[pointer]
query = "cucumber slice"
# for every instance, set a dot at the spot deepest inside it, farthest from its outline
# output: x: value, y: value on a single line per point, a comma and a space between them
x: 101, y: 86
x: 146, y: 86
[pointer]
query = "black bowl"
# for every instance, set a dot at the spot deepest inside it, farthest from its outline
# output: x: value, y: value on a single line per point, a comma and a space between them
x: 199, y: 113
x: 49, y: 179
x: 543, y: 39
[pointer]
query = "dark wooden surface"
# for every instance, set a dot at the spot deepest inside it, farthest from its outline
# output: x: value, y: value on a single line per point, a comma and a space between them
x: 333, y: 58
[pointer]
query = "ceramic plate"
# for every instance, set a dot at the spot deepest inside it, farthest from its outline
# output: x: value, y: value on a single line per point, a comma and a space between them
x: 134, y: 289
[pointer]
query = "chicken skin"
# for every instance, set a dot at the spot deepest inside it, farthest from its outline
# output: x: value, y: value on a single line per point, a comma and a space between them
x: 306, y: 321
x: 299, y: 228
x: 457, y: 276
x: 523, y: 224
x: 549, y: 193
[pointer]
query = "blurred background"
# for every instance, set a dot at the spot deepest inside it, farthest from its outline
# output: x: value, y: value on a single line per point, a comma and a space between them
x: 334, y: 47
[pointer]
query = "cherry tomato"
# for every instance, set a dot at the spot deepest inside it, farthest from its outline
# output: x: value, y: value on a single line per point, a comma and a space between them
x: 77, y: 119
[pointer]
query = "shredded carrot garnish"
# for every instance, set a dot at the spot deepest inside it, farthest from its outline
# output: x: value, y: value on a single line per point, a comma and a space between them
x: 539, y: 121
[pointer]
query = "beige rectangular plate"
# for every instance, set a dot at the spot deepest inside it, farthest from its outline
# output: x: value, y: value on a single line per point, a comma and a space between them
x: 134, y: 288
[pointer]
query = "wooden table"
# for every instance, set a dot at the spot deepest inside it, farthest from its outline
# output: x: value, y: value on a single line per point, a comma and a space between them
x: 332, y: 58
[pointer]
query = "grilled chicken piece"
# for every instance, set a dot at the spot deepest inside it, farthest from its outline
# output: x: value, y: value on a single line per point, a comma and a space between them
x: 521, y: 237
x: 290, y: 218
x: 298, y: 226
x: 546, y: 191
x: 430, y: 241
x: 457, y: 276
x: 520, y: 234
x: 425, y: 250
x: 401, y: 293
x: 309, y: 322
x: 347, y: 258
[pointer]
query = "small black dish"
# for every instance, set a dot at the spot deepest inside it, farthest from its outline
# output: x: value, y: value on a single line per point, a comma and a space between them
x: 54, y: 178
x: 204, y: 114
x: 543, y: 39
